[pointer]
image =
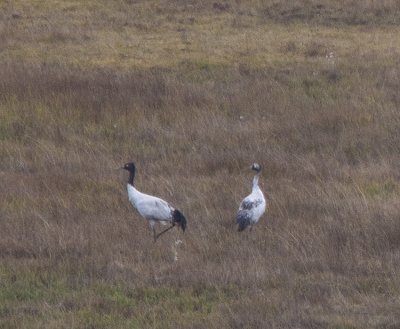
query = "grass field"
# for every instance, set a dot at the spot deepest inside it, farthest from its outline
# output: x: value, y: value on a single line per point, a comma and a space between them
x: 194, y: 92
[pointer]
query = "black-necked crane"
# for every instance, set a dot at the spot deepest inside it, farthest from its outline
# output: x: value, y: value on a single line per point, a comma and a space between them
x: 152, y: 208
x: 253, y: 205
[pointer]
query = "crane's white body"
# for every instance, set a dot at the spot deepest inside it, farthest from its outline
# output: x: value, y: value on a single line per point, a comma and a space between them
x: 252, y: 207
x: 150, y: 207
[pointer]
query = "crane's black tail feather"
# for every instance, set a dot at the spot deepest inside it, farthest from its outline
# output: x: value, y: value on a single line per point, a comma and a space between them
x: 242, y: 222
x: 179, y: 219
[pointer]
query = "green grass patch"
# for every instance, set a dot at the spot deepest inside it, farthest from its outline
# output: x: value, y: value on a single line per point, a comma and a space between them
x: 383, y: 188
x: 101, y: 304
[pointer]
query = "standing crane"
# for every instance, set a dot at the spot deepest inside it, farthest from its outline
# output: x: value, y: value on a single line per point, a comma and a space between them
x: 152, y: 208
x: 253, y: 205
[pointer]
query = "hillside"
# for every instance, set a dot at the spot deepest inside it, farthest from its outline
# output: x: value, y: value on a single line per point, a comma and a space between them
x: 194, y: 92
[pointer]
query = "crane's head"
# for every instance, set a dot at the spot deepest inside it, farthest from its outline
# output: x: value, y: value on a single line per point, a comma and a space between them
x: 130, y: 166
x: 256, y: 167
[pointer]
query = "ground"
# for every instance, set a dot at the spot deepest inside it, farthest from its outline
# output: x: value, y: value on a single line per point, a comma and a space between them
x: 194, y: 92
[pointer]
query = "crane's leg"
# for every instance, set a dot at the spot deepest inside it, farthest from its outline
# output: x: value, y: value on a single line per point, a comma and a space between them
x: 154, y: 233
x: 164, y: 231
x: 153, y: 229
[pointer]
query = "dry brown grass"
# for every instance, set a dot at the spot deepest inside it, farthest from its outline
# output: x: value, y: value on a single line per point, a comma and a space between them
x: 138, y: 34
x: 73, y: 253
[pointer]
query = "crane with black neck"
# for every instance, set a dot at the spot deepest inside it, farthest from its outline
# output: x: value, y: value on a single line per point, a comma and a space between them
x: 154, y: 209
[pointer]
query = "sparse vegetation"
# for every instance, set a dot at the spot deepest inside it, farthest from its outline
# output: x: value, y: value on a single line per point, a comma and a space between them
x: 194, y: 92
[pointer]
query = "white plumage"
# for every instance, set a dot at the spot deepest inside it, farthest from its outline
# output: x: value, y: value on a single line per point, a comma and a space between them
x: 253, y: 206
x: 152, y: 208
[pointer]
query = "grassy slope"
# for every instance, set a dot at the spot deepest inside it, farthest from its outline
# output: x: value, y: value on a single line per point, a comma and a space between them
x: 124, y: 34
x: 195, y: 93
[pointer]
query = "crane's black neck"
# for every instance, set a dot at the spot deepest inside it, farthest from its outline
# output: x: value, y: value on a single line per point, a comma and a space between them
x: 131, y: 176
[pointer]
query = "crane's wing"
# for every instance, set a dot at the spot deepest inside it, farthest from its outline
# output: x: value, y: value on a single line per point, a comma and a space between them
x: 155, y: 209
x: 247, y: 212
